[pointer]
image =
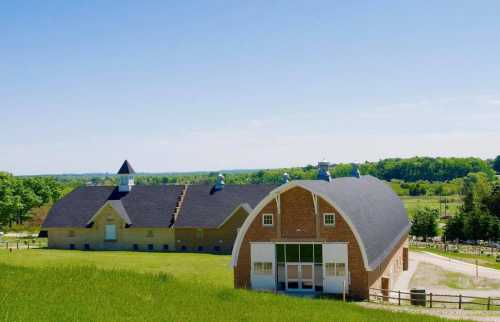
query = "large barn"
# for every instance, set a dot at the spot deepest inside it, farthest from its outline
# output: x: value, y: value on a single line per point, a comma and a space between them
x: 194, y: 218
x: 330, y: 236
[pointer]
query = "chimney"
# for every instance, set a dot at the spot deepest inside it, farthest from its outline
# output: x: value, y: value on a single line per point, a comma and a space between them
x: 323, y: 172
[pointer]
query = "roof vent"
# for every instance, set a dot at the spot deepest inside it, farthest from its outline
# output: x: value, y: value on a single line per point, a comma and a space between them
x: 286, y: 177
x: 323, y: 173
x: 219, y: 184
x: 355, y: 171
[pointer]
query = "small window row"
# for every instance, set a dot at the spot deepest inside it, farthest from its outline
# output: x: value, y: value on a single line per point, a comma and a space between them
x: 328, y: 220
x: 216, y: 249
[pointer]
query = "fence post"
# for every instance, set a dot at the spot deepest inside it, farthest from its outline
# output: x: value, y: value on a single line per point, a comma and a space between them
x: 460, y: 301
x: 489, y: 301
x: 430, y: 303
x: 17, y: 244
x: 399, y: 297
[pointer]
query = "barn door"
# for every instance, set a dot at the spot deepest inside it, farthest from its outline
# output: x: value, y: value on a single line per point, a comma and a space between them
x: 263, y: 266
x: 335, y: 268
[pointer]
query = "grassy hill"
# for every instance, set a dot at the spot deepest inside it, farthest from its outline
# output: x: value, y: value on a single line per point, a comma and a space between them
x: 51, y: 285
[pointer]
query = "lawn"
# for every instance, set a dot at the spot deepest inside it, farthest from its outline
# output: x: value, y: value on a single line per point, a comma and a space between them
x: 50, y: 285
x: 412, y: 203
x: 483, y: 260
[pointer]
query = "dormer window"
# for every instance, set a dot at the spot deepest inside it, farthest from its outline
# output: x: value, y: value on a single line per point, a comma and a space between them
x: 267, y: 220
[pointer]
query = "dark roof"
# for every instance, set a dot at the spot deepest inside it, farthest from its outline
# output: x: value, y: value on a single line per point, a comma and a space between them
x: 126, y: 168
x: 373, y: 208
x: 202, y: 209
x: 145, y: 206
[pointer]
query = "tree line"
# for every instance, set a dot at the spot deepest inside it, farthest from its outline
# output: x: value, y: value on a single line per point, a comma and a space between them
x: 18, y: 196
x: 478, y: 218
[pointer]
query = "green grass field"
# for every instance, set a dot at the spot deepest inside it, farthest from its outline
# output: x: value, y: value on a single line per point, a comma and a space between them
x: 413, y: 203
x: 57, y: 285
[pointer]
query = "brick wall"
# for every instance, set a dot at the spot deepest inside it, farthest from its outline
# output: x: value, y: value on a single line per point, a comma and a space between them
x: 298, y: 222
x: 223, y: 237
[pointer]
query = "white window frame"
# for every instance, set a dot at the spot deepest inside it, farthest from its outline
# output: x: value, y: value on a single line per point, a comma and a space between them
x: 106, y: 235
x: 329, y: 224
x: 264, y: 221
x: 263, y: 268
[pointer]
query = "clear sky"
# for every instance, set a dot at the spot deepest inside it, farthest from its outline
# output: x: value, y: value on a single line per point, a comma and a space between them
x: 207, y: 85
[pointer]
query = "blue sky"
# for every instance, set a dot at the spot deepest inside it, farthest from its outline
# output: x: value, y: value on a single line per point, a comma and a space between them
x: 207, y: 85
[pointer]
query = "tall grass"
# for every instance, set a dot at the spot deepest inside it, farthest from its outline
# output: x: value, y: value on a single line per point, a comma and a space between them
x: 87, y: 293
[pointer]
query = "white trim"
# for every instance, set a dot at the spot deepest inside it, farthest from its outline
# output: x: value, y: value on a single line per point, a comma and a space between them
x: 269, y: 198
x: 272, y: 220
x: 315, y: 202
x: 126, y: 220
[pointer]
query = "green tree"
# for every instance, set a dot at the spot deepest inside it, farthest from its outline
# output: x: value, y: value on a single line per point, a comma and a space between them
x: 476, y: 189
x: 496, y: 164
x: 425, y: 222
x: 454, y: 229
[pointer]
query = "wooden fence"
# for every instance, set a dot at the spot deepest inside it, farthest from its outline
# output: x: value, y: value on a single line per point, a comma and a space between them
x: 459, y: 248
x: 23, y: 244
x: 431, y: 300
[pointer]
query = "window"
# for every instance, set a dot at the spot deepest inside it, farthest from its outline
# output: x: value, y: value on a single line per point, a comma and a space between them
x: 110, y: 232
x: 267, y: 220
x: 263, y: 268
x: 151, y: 247
x: 199, y: 233
x: 340, y: 269
x: 200, y: 248
x: 71, y: 233
x: 183, y: 248
x: 86, y: 246
x: 217, y: 248
x: 330, y: 269
x: 71, y: 246
x: 150, y: 234
x: 329, y: 219
x: 335, y: 269
x: 136, y: 247
x: 165, y: 247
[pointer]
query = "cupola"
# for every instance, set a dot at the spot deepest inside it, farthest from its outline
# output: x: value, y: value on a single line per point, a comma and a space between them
x: 125, y: 177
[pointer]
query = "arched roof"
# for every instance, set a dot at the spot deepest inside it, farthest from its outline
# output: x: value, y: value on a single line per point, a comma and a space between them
x: 370, y: 207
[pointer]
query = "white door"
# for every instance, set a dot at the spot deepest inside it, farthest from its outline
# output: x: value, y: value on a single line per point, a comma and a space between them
x: 335, y: 268
x: 263, y: 266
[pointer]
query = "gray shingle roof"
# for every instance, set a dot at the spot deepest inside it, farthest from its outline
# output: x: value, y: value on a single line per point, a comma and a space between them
x: 205, y: 210
x: 371, y: 205
x: 145, y: 206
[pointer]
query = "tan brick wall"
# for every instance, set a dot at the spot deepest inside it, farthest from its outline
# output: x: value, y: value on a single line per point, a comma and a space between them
x: 224, y: 237
x: 298, y: 223
x: 391, y: 267
x: 126, y: 237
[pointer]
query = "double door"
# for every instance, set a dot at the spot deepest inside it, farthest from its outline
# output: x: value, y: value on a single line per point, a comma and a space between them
x: 299, y: 277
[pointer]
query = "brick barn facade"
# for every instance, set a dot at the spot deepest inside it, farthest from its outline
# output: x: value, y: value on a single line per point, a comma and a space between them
x: 346, y: 235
